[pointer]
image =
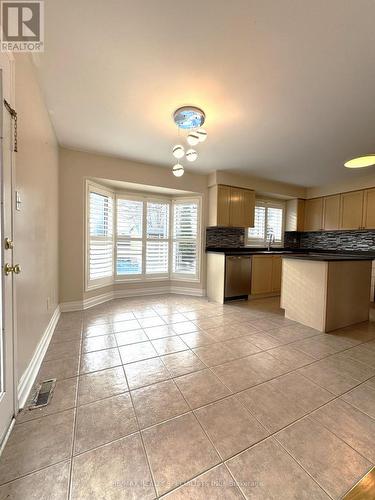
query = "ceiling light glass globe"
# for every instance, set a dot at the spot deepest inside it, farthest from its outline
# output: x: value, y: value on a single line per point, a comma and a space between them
x: 191, y: 155
x: 193, y: 138
x: 202, y: 134
x: 178, y: 151
x: 178, y: 170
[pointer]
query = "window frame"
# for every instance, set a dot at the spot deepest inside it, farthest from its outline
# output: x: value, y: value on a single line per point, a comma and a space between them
x: 92, y: 187
x: 267, y: 203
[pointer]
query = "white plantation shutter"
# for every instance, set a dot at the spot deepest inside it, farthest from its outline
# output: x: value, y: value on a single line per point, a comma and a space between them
x: 100, y: 244
x: 185, y: 237
x: 269, y: 219
x: 129, y: 227
x: 157, y: 235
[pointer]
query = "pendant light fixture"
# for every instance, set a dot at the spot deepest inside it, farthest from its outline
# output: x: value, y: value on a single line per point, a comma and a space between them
x: 189, y: 119
x: 361, y: 162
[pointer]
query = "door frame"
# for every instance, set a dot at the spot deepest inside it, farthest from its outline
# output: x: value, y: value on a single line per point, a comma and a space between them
x: 7, y: 65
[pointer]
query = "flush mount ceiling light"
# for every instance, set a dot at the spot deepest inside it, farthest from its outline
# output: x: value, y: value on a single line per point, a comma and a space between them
x: 189, y: 119
x: 361, y: 162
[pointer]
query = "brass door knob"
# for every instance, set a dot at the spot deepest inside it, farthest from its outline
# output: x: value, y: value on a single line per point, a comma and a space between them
x: 11, y: 269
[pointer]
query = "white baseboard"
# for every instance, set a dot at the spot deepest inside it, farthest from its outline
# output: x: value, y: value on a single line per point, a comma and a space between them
x: 81, y: 305
x: 28, y: 377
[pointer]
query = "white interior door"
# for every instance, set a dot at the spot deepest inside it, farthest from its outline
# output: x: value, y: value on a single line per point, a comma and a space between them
x: 7, y: 400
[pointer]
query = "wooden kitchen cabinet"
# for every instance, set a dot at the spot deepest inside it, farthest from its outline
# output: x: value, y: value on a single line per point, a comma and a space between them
x: 369, y: 209
x: 314, y: 214
x: 295, y: 215
x: 352, y: 210
x: 266, y: 274
x: 331, y: 212
x: 231, y: 206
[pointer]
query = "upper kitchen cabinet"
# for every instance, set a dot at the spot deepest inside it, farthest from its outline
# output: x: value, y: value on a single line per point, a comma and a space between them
x: 231, y: 206
x: 313, y: 214
x: 295, y: 215
x: 369, y: 209
x: 331, y: 212
x: 352, y: 210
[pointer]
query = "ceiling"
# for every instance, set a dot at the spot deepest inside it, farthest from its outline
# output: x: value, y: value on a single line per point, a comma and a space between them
x: 288, y: 86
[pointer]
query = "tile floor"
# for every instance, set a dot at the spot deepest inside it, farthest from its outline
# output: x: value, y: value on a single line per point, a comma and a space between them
x: 177, y: 397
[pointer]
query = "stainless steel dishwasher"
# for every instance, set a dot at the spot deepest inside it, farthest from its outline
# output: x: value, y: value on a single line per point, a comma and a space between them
x: 237, y: 276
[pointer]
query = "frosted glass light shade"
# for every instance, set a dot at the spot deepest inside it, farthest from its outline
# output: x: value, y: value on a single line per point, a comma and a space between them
x: 193, y: 139
x: 191, y: 155
x: 202, y: 134
x: 178, y: 170
x: 361, y: 162
x: 178, y: 151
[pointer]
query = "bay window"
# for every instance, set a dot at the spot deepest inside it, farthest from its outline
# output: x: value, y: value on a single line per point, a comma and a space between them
x: 144, y: 238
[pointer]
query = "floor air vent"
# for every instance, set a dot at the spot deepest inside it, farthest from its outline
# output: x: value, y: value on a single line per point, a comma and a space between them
x: 43, y: 394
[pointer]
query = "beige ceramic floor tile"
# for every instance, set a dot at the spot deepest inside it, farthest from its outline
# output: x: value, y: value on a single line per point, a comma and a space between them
x: 51, y: 483
x: 173, y: 318
x: 137, y: 352
x: 150, y: 322
x: 271, y: 407
x: 349, y: 424
x: 241, y: 346
x: 126, y: 326
x: 363, y: 398
x: 291, y: 357
x: 178, y: 450
x: 122, y: 316
x: 99, y: 343
x: 99, y: 360
x: 146, y: 372
x: 363, y: 353
x: 36, y: 444
x: 98, y: 330
x: 104, y: 421
x: 216, y: 484
x: 58, y: 369
x: 201, y: 388
x: 185, y: 327
x: 330, y: 461
x: 266, y: 471
x: 101, y: 384
x: 322, y: 346
x: 214, y: 354
x: 118, y: 470
x: 197, y: 339
x: 69, y: 349
x: 264, y: 341
x: 132, y: 337
x: 159, y: 332
x: 169, y: 345
x: 63, y: 398
x: 66, y: 336
x: 230, y: 426
x: 183, y: 362
x: 158, y: 402
x: 238, y: 374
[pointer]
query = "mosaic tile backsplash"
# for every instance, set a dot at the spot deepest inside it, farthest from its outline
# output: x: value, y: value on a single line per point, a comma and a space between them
x: 225, y: 237
x: 332, y: 240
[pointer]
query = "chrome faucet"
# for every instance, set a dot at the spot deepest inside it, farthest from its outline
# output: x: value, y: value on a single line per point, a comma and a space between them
x: 271, y: 239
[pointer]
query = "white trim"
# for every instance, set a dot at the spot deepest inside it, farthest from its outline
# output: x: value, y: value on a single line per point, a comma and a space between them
x: 28, y: 377
x: 81, y: 305
x: 6, y: 435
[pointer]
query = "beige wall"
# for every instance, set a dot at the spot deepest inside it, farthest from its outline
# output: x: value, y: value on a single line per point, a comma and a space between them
x: 359, y: 180
x: 36, y: 225
x: 75, y: 168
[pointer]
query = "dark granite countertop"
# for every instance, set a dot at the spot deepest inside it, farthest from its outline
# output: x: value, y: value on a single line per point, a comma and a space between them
x: 297, y: 253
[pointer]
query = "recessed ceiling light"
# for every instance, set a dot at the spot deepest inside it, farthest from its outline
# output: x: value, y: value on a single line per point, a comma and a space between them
x: 361, y: 162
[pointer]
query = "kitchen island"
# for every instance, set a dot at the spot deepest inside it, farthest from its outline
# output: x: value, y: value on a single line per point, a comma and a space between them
x: 326, y: 292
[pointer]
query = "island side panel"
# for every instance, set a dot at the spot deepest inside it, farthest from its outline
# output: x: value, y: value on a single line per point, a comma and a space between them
x: 215, y: 277
x: 348, y: 293
x: 304, y: 291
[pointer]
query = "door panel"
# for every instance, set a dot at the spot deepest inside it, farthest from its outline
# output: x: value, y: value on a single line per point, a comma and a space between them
x: 351, y: 210
x: 223, y: 206
x: 313, y: 214
x: 369, y: 209
x: 331, y: 212
x: 261, y: 274
x: 7, y: 405
x: 276, y: 273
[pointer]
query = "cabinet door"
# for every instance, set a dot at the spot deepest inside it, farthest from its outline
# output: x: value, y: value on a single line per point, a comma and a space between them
x: 313, y: 214
x: 295, y: 215
x: 331, y: 212
x: 223, y: 206
x: 261, y: 274
x: 351, y: 210
x: 369, y: 209
x: 276, y: 273
x: 242, y: 203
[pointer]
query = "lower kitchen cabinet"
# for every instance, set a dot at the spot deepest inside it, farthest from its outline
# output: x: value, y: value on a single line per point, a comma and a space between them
x: 266, y: 274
